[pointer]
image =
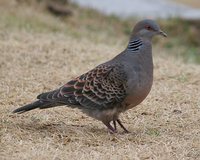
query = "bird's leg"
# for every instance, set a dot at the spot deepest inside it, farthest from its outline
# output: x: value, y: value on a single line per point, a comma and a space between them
x: 115, y: 126
x: 111, y: 129
x: 121, y: 125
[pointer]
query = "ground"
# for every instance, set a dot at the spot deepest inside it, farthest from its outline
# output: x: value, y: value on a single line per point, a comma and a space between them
x: 165, y: 126
x: 192, y: 3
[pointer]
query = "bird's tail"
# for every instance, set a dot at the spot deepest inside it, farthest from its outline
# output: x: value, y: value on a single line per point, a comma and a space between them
x: 37, y: 104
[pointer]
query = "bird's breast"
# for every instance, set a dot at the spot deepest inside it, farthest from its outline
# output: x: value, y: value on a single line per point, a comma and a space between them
x: 134, y: 99
x: 139, y: 88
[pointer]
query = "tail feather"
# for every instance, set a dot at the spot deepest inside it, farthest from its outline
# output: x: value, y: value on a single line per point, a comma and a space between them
x: 37, y: 104
x: 48, y: 100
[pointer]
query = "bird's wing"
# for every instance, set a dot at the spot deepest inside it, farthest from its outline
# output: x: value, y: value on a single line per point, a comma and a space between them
x: 102, y: 87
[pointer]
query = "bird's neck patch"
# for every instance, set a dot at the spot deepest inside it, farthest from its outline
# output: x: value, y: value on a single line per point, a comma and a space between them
x: 134, y: 45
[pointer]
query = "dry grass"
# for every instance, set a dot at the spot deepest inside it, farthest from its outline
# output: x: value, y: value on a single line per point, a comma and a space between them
x: 165, y: 126
x: 192, y: 3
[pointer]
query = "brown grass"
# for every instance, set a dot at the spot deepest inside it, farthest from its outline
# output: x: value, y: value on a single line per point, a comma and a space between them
x: 192, y: 3
x: 165, y: 126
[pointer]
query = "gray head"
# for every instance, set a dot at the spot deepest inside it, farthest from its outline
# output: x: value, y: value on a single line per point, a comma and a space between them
x: 147, y: 29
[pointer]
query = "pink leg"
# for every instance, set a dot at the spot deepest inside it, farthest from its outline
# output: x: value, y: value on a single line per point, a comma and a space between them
x: 121, y: 125
x: 115, y: 126
x: 111, y: 129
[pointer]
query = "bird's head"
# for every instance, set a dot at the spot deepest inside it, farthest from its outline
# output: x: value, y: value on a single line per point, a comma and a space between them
x: 147, y: 29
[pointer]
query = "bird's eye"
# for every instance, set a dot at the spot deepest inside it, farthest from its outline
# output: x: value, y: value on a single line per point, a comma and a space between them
x: 148, y: 28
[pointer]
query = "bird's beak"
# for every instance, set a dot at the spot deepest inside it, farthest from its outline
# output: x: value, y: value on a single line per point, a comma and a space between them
x: 162, y: 33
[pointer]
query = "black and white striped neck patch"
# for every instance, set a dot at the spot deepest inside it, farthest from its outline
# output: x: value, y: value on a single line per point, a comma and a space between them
x: 134, y: 45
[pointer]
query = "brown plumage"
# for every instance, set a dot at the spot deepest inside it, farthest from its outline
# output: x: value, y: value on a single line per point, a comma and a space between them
x: 112, y: 87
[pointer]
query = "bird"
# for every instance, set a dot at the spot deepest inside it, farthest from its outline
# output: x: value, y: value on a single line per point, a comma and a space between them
x: 112, y: 87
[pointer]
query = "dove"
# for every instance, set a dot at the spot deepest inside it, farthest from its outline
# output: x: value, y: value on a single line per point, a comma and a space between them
x: 113, y: 87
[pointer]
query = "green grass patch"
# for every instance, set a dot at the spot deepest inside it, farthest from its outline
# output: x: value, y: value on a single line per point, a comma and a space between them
x: 153, y: 132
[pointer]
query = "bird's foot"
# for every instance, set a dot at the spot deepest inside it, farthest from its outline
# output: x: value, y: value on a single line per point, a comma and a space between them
x: 112, y: 129
x: 126, y: 132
